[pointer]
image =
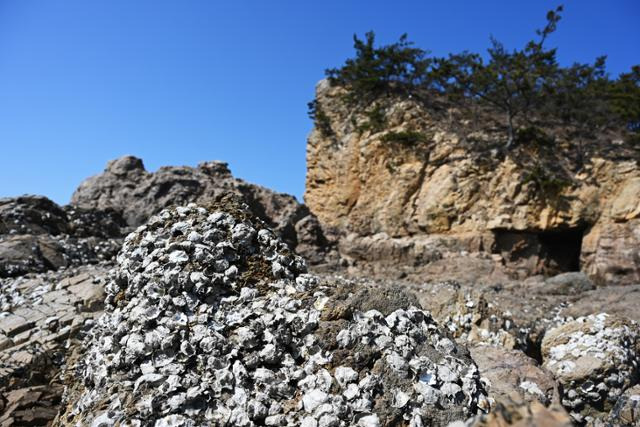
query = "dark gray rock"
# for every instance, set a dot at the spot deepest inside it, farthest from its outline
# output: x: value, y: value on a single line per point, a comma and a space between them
x: 125, y: 186
x: 37, y: 235
x: 31, y: 215
x: 568, y: 284
x: 21, y: 254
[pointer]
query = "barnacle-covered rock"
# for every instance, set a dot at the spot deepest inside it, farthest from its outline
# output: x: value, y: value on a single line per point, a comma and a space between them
x: 211, y: 320
x: 595, y: 358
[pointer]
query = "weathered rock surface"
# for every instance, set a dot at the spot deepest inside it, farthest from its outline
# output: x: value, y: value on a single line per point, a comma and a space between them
x: 458, y: 184
x: 37, y: 235
x: 125, y: 186
x: 533, y: 414
x: 42, y: 316
x: 498, y: 317
x: 595, y: 358
x: 211, y: 320
x: 513, y: 376
x: 300, y: 338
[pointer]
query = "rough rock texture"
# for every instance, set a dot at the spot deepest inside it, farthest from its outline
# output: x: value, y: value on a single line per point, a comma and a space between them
x: 626, y: 412
x: 513, y: 376
x: 37, y: 235
x: 42, y: 316
x: 595, y: 358
x: 501, y: 319
x: 533, y: 414
x: 211, y: 320
x: 125, y: 186
x: 460, y: 184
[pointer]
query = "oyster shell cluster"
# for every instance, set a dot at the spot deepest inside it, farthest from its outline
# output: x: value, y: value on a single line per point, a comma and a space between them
x: 595, y: 358
x: 211, y: 320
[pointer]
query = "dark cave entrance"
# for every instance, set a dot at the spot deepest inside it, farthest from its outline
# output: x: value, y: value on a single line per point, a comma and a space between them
x: 561, y: 249
x: 541, y: 252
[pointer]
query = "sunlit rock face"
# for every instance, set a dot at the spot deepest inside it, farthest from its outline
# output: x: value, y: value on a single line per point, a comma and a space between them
x: 393, y: 199
x: 211, y: 320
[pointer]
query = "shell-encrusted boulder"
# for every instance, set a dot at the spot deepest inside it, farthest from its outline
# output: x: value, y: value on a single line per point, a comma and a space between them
x: 595, y: 358
x: 211, y: 320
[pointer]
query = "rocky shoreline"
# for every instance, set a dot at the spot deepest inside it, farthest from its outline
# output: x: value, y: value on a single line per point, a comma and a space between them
x: 207, y: 316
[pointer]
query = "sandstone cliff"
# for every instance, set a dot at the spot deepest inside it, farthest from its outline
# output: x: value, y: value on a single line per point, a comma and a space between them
x: 428, y: 177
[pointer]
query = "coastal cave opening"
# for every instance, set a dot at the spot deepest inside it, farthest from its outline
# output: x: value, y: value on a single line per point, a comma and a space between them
x: 540, y: 252
x: 561, y: 249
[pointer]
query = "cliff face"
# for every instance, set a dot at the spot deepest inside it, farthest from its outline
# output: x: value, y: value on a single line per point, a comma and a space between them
x: 531, y: 205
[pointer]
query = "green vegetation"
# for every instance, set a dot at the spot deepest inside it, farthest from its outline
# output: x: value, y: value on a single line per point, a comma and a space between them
x: 320, y: 118
x: 376, y: 120
x: 525, y: 89
x: 376, y: 71
x: 406, y: 138
x: 547, y: 184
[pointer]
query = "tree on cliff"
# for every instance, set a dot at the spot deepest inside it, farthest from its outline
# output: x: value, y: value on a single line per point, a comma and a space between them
x: 515, y: 83
x: 525, y: 89
x: 625, y: 99
x: 376, y: 71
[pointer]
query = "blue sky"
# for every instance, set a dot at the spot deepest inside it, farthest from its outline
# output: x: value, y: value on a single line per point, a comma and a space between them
x: 180, y: 82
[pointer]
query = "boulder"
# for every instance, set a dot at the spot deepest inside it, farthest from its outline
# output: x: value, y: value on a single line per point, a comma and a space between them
x: 211, y: 320
x: 568, y: 284
x: 32, y: 215
x: 595, y: 359
x: 37, y: 235
x: 514, y: 377
x: 21, y: 254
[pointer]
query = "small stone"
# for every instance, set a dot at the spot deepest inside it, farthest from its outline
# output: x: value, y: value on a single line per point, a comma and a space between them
x: 178, y: 257
x: 345, y: 375
x: 312, y: 399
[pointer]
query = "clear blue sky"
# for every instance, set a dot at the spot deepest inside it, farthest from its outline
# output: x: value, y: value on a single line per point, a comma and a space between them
x: 183, y: 81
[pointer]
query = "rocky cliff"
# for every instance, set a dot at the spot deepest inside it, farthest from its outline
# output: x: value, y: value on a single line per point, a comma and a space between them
x: 427, y: 182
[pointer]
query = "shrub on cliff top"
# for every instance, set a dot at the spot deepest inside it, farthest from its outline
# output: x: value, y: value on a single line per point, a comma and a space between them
x: 524, y: 87
x: 375, y: 71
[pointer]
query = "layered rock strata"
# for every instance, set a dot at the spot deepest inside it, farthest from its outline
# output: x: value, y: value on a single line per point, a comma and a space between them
x: 43, y: 317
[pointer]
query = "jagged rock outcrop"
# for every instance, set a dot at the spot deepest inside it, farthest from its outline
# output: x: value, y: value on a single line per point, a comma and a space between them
x: 513, y: 376
x: 125, y: 186
x: 543, y: 207
x: 211, y: 320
